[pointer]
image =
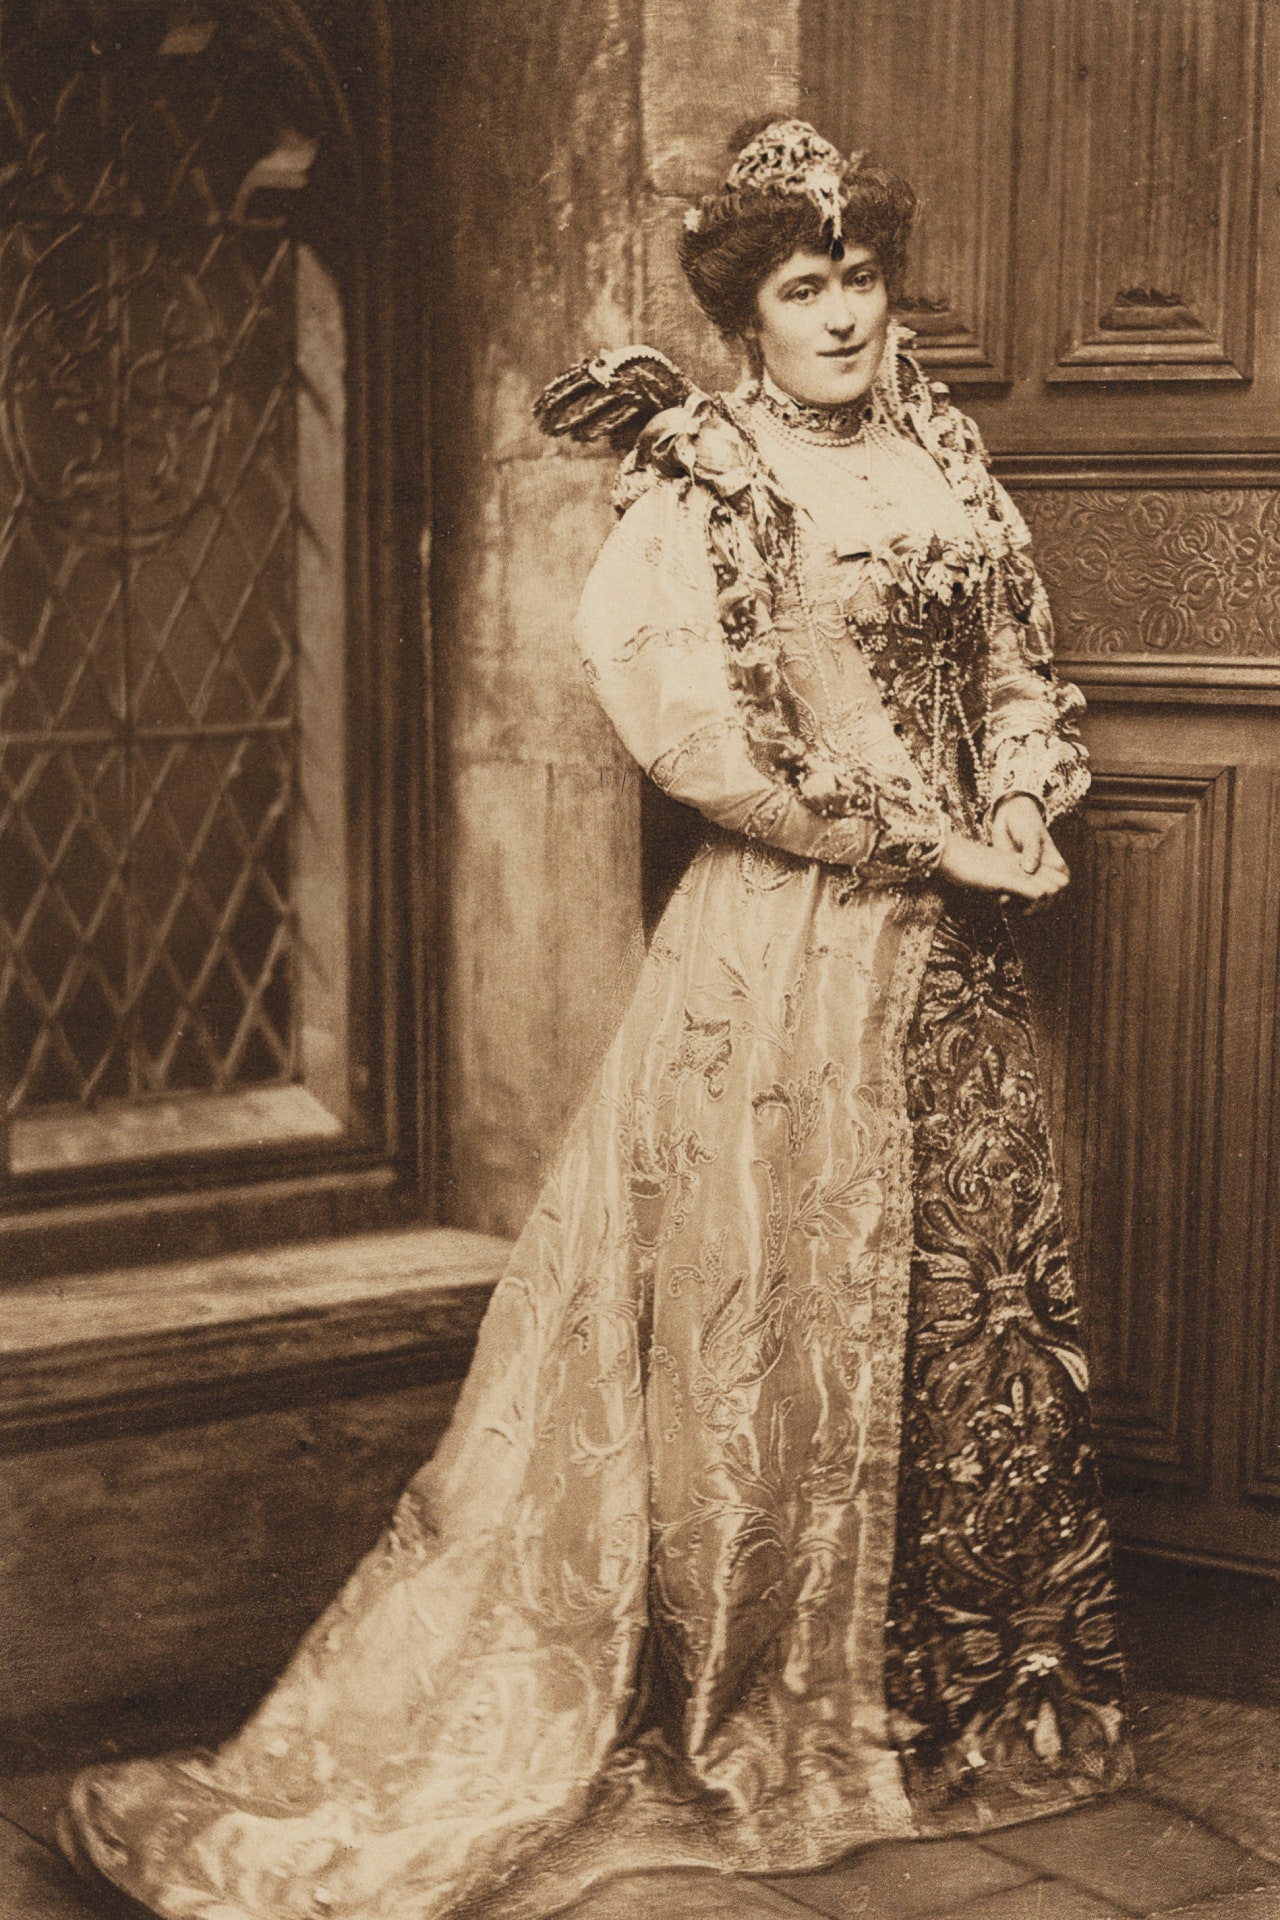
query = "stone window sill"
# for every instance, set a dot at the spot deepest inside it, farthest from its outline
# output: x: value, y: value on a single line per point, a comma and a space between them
x: 119, y: 1131
x: 100, y: 1354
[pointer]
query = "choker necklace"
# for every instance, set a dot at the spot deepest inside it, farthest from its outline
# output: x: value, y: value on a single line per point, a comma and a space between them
x: 824, y: 426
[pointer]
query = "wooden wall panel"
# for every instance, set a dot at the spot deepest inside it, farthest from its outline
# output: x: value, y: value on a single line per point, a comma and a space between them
x: 1155, y: 118
x: 1144, y: 1033
x: 937, y: 102
x: 1126, y: 375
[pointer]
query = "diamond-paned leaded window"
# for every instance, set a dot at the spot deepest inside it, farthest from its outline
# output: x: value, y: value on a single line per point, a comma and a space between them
x: 172, y: 914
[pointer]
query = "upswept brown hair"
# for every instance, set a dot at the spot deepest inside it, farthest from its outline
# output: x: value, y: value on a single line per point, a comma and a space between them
x: 742, y: 236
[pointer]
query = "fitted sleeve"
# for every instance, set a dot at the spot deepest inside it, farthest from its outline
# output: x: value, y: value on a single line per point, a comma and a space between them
x: 1030, y: 743
x: 656, y: 658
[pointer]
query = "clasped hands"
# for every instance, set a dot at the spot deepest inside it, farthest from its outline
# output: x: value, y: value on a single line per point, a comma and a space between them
x: 1022, y: 863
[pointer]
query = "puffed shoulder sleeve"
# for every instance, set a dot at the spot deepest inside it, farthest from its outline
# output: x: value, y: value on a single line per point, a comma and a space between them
x: 655, y: 656
x: 1030, y: 743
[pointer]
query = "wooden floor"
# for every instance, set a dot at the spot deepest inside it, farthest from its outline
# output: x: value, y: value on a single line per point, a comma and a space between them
x: 1198, y: 1839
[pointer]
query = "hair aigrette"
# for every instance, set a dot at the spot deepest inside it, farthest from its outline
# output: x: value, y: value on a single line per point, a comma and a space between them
x: 788, y: 189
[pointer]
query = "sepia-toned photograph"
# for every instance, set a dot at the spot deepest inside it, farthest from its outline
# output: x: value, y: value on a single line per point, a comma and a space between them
x: 639, y: 959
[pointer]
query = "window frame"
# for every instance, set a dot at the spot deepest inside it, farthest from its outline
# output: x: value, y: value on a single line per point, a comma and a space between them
x: 377, y: 1165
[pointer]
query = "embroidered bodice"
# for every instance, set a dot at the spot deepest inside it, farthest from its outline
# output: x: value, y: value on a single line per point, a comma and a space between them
x: 867, y: 502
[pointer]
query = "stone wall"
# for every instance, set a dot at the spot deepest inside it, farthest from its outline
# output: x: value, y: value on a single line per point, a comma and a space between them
x: 568, y: 139
x: 707, y: 67
x: 535, y: 170
x: 193, y: 1456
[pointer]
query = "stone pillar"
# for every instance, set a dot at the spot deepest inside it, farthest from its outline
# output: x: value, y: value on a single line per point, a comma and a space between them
x: 708, y: 65
x: 536, y: 168
x: 571, y: 135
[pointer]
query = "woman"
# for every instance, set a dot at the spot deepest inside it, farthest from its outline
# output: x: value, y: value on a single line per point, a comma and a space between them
x: 767, y: 1525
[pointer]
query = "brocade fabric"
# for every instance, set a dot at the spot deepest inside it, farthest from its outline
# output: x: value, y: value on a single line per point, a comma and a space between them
x: 635, y: 1611
x: 1004, y: 1669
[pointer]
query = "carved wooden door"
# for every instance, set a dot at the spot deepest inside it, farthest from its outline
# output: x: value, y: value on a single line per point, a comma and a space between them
x: 1097, y: 279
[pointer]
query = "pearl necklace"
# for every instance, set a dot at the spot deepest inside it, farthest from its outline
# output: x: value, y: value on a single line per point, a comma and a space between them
x: 855, y: 484
x: 819, y: 426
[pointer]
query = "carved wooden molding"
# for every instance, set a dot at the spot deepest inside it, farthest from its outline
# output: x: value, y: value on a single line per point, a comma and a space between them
x: 1182, y: 680
x: 1144, y: 1028
x: 1156, y: 115
x: 1174, y: 574
x: 913, y: 107
x: 1207, y: 468
x: 1133, y: 1547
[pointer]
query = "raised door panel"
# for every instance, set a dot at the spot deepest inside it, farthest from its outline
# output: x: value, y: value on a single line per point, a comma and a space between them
x: 1169, y: 1044
x: 1155, y: 120
x: 1097, y: 262
x: 1142, y: 1038
x: 937, y: 102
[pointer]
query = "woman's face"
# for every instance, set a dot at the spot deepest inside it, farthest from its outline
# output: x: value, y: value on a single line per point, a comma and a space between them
x: 821, y: 325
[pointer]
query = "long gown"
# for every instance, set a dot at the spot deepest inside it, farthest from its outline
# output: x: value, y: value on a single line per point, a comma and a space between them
x: 767, y: 1525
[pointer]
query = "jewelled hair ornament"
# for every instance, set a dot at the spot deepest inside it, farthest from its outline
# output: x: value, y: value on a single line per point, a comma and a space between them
x: 790, y: 157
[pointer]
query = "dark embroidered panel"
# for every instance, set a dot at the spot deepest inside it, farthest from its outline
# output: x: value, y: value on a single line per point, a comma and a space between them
x: 1003, y: 1670
x: 938, y: 714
